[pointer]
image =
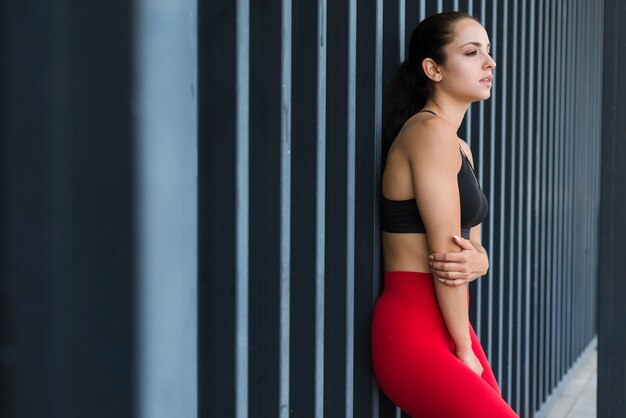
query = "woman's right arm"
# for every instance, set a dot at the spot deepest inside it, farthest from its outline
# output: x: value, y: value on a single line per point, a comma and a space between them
x: 455, y: 269
x: 435, y: 160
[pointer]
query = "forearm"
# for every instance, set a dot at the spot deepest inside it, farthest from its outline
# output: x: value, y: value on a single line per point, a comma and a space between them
x: 452, y: 300
x: 454, y: 308
x: 463, y: 266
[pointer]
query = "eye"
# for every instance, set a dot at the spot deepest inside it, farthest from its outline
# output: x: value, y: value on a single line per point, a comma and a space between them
x: 470, y: 53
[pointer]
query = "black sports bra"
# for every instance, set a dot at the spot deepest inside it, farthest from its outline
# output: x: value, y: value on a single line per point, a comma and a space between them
x: 402, y: 216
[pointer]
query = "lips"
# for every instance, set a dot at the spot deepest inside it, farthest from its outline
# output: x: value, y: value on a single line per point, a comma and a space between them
x: 487, y: 79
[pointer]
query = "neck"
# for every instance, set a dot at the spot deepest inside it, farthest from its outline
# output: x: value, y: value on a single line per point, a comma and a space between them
x: 453, y: 111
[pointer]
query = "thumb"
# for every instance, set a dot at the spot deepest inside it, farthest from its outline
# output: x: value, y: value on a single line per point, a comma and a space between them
x: 463, y: 243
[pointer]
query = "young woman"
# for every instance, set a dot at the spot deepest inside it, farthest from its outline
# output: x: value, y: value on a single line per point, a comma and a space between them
x: 426, y: 356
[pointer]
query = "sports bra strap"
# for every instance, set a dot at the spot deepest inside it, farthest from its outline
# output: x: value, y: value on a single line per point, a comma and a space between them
x: 465, y: 155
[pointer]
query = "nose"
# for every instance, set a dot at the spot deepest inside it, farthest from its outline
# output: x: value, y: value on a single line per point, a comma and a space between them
x: 490, y: 62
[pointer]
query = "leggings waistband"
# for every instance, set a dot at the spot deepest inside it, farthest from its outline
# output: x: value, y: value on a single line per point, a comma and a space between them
x: 408, y: 284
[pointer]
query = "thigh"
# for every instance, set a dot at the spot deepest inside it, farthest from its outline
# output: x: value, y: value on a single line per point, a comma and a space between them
x: 400, y: 330
x: 440, y: 385
x: 416, y: 368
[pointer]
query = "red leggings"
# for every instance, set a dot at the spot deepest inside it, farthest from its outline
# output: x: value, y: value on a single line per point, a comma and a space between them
x: 413, y: 356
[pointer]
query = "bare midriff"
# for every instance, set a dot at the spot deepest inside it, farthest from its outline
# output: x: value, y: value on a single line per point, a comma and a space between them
x: 405, y: 252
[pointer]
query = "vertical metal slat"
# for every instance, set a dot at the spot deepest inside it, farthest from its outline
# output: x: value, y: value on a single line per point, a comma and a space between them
x: 285, y: 211
x: 242, y: 207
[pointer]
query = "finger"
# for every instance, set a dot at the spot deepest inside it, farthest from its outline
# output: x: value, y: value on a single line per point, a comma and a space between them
x: 452, y: 282
x: 451, y: 275
x: 456, y: 282
x: 463, y: 243
x: 436, y: 256
x: 456, y: 256
x: 452, y: 265
x: 447, y: 266
x: 453, y: 257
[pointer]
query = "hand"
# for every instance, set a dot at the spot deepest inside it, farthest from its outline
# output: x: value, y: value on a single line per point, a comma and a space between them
x: 457, y: 268
x: 468, y: 357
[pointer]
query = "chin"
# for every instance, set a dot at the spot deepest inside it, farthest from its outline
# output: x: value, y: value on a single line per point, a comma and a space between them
x: 481, y: 98
x: 484, y: 96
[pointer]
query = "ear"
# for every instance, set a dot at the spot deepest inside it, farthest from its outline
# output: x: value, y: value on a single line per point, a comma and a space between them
x: 431, y: 69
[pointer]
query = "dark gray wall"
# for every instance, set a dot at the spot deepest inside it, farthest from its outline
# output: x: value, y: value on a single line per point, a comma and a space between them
x: 98, y: 177
x: 612, y: 282
x: 289, y: 173
x: 67, y: 169
x: 190, y: 203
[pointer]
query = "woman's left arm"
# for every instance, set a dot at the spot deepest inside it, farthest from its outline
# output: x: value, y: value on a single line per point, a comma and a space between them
x: 467, y: 265
x: 461, y: 267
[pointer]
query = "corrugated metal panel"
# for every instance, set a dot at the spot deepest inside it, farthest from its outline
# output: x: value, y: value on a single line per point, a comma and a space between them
x: 612, y: 234
x: 535, y: 143
x: 68, y: 215
x: 287, y: 220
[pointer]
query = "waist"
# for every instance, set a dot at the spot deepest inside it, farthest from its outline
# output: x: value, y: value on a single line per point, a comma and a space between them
x: 412, y: 285
x: 408, y: 284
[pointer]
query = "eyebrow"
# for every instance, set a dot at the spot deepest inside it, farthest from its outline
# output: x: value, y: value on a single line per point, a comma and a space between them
x: 475, y: 44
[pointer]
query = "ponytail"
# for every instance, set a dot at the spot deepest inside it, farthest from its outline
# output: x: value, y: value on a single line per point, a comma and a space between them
x: 410, y: 90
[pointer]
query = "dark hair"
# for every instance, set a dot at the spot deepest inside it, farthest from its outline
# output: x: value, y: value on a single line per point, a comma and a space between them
x: 411, y: 88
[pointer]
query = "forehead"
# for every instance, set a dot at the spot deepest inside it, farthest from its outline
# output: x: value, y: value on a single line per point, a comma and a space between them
x: 469, y: 30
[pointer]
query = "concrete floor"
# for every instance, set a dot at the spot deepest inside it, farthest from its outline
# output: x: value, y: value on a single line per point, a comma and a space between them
x: 578, y: 397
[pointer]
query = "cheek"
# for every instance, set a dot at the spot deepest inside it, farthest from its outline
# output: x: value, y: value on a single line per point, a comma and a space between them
x: 461, y: 70
x: 464, y: 70
x: 460, y: 78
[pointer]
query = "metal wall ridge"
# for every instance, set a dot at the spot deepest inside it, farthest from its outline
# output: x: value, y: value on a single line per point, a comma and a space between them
x: 191, y: 203
x: 535, y: 143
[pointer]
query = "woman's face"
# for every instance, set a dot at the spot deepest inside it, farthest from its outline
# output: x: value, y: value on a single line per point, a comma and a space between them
x: 467, y: 73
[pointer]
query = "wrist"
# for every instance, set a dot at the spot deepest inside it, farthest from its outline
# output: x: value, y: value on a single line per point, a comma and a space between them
x: 463, y: 345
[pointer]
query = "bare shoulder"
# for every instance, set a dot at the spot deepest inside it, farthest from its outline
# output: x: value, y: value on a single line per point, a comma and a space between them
x: 427, y: 137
